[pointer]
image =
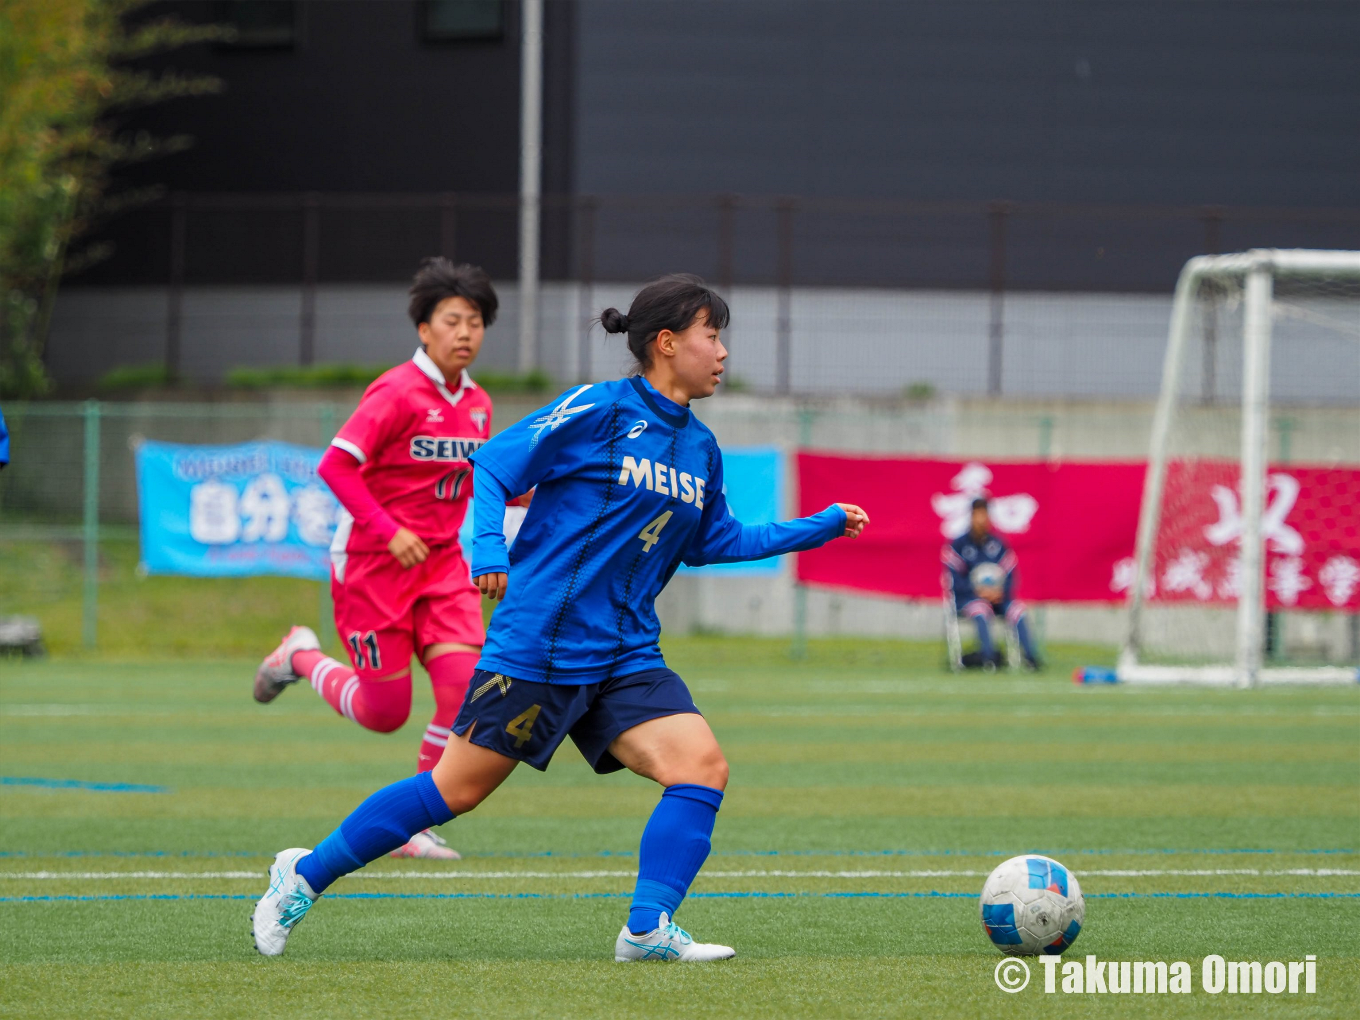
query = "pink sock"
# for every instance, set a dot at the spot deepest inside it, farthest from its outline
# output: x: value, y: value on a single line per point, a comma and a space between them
x: 381, y: 705
x: 449, y: 675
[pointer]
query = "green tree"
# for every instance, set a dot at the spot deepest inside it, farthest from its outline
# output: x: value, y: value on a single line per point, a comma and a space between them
x: 67, y: 70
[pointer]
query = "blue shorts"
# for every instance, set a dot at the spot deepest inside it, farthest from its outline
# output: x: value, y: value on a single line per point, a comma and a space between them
x: 527, y: 721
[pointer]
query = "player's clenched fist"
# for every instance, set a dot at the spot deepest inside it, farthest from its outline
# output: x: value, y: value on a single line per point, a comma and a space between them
x: 407, y: 547
x: 855, y: 519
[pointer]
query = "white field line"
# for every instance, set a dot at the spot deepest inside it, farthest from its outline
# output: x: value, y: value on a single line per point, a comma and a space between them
x: 465, y: 876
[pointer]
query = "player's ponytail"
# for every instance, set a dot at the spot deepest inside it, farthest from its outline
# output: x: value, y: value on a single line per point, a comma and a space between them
x: 671, y: 302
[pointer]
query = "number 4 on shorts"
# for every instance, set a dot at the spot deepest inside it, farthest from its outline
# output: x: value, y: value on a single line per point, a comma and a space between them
x: 521, y: 727
x: 651, y: 534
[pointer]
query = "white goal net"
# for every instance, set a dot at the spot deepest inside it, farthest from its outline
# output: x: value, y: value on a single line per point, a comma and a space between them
x: 1247, y: 569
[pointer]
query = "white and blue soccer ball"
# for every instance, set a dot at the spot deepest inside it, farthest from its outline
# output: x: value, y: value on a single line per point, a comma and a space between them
x: 1032, y: 905
x: 986, y: 575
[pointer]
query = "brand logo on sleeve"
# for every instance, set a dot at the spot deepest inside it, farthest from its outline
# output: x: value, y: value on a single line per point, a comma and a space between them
x: 558, y: 416
x: 444, y: 448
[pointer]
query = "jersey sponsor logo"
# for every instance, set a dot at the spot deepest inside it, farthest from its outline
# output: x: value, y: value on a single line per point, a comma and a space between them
x: 664, y: 480
x: 444, y: 448
x: 637, y: 429
x: 478, y: 416
x: 558, y: 416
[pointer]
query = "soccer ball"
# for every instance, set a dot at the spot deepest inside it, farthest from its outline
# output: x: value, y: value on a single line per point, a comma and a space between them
x: 987, y: 575
x: 1032, y: 905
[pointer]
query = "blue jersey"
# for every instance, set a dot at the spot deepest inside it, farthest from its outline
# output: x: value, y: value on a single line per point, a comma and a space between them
x: 962, y: 556
x: 629, y: 486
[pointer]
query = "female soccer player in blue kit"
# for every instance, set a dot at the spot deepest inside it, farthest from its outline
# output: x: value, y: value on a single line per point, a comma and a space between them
x: 629, y: 485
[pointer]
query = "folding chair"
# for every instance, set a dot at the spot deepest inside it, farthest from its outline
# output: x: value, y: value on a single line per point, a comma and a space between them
x: 954, y: 639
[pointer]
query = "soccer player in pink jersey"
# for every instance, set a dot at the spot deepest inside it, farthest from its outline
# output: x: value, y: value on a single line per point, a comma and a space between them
x: 400, y: 468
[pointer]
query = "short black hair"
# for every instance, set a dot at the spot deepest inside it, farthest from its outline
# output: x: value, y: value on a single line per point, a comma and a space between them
x: 980, y: 503
x: 672, y: 302
x: 439, y: 278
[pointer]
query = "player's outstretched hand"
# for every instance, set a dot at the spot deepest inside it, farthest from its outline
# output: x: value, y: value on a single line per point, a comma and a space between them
x: 493, y: 585
x: 407, y: 547
x: 855, y: 519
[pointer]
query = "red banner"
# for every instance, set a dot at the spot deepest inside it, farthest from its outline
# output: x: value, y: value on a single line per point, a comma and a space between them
x: 1072, y: 526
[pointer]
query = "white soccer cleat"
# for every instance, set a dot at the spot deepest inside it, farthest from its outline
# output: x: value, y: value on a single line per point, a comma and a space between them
x: 284, y: 903
x: 276, y: 672
x: 429, y: 846
x: 668, y: 943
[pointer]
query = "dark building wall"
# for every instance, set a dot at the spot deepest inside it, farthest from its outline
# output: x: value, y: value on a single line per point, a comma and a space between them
x: 1130, y: 102
x: 362, y: 103
x: 1143, y: 104
x: 1137, y: 103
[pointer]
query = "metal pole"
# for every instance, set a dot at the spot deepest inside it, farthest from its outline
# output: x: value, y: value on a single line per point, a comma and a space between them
x: 1274, y: 638
x: 530, y: 161
x: 448, y: 225
x: 1150, y: 513
x: 799, y: 648
x: 90, y: 602
x: 174, y: 312
x: 589, y: 208
x: 996, y: 326
x: 325, y: 610
x: 1213, y: 219
x: 1041, y: 611
x: 727, y: 209
x: 783, y: 370
x: 311, y: 231
x: 1255, y: 398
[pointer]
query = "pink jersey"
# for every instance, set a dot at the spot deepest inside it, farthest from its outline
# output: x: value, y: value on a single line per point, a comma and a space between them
x: 412, y: 436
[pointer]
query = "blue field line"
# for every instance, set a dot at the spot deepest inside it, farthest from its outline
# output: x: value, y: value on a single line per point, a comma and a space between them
x: 80, y: 784
x: 932, y: 895
x: 565, y: 855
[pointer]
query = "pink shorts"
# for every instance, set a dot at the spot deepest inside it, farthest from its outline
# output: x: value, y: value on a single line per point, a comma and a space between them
x: 385, y: 612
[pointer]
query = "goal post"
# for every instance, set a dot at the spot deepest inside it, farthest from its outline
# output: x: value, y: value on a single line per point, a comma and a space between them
x: 1199, y: 598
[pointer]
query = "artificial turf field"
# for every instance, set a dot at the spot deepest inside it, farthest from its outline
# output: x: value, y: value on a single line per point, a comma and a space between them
x: 870, y: 795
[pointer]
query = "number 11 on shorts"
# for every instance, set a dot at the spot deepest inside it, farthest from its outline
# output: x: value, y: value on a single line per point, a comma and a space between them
x: 365, y: 650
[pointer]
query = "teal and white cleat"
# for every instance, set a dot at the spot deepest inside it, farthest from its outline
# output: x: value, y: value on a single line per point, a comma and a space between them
x: 284, y: 903
x: 276, y: 672
x: 669, y: 943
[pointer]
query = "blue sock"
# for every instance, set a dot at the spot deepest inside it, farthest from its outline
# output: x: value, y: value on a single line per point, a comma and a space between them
x: 984, y: 629
x: 675, y: 845
x: 377, y: 826
x: 1022, y: 632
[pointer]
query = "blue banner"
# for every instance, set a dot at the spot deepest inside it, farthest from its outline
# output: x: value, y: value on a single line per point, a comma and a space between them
x: 753, y: 481
x: 231, y: 511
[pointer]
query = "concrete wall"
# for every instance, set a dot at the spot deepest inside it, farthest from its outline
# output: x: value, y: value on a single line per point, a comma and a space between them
x: 843, y: 341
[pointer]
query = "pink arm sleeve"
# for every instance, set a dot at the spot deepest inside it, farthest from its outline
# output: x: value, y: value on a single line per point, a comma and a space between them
x: 340, y: 470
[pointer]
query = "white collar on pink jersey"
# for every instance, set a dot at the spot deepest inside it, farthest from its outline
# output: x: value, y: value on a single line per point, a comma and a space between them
x: 426, y: 364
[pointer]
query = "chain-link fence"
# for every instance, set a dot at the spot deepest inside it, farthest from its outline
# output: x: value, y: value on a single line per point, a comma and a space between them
x: 73, y: 477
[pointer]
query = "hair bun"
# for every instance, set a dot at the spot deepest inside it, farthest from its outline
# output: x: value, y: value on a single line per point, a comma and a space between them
x: 614, y: 321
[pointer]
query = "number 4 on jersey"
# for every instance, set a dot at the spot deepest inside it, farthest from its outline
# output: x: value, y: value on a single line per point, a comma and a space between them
x: 651, y: 534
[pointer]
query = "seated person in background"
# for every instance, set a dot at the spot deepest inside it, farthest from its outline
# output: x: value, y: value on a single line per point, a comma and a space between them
x: 983, y: 578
